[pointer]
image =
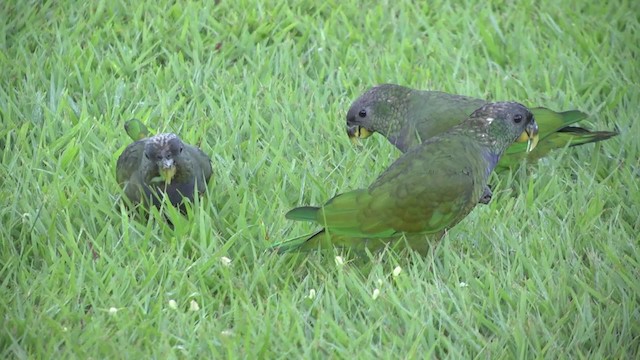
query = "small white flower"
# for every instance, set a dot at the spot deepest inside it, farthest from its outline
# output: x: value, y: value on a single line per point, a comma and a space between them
x: 463, y: 284
x: 173, y: 304
x: 65, y: 329
x: 339, y: 260
x: 193, y: 306
x: 312, y: 294
x: 225, y: 261
x: 380, y: 282
x: 376, y: 293
x: 112, y: 311
x: 396, y: 271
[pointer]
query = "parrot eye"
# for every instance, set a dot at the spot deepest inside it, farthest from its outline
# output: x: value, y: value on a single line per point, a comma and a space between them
x: 146, y: 155
x: 181, y: 148
x: 517, y: 118
x: 362, y: 113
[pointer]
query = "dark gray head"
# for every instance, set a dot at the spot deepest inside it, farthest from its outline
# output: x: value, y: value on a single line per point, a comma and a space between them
x: 503, y: 123
x: 379, y: 109
x: 163, y: 150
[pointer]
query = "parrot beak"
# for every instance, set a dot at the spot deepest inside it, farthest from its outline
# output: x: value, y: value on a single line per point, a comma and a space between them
x: 356, y: 132
x: 167, y: 169
x: 530, y: 135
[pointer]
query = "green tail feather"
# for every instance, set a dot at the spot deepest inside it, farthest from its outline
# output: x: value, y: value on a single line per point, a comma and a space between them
x: 566, y: 137
x: 550, y: 121
x: 578, y: 136
x: 572, y: 116
x: 303, y: 213
x: 555, y: 133
x: 302, y: 243
x: 136, y: 130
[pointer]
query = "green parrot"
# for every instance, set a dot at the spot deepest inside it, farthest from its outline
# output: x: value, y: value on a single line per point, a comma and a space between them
x: 426, y: 191
x: 406, y: 117
x: 163, y: 164
x: 136, y: 130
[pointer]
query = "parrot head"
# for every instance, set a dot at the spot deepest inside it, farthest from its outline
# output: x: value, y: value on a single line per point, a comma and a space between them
x: 357, y: 119
x: 163, y: 150
x: 506, y: 122
x: 379, y: 109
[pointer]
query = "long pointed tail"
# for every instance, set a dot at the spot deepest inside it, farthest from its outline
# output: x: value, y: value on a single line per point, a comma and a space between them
x: 302, y: 243
x: 567, y: 136
x: 575, y: 136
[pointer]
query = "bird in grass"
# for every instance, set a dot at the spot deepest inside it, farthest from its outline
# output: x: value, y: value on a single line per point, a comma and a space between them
x: 162, y: 165
x: 136, y: 130
x: 426, y: 191
x: 407, y: 117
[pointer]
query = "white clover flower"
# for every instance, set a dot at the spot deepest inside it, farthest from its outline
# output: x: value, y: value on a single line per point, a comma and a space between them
x: 339, y: 260
x: 112, y: 310
x: 225, y: 261
x: 173, y: 304
x: 193, y: 306
x: 312, y: 294
x: 396, y: 271
x: 376, y: 293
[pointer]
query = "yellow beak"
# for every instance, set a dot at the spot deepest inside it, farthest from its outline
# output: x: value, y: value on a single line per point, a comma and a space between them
x: 168, y: 171
x: 357, y: 132
x: 530, y: 135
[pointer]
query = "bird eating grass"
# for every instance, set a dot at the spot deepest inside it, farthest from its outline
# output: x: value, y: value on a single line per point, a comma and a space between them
x: 407, y: 117
x: 163, y: 165
x: 426, y: 191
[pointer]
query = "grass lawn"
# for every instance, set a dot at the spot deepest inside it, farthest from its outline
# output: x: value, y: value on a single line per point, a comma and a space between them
x: 549, y: 269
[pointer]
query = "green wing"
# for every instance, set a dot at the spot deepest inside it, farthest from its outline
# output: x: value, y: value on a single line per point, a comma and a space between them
x: 127, y: 170
x: 427, y: 190
x: 201, y: 165
x: 127, y: 167
x: 324, y: 240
